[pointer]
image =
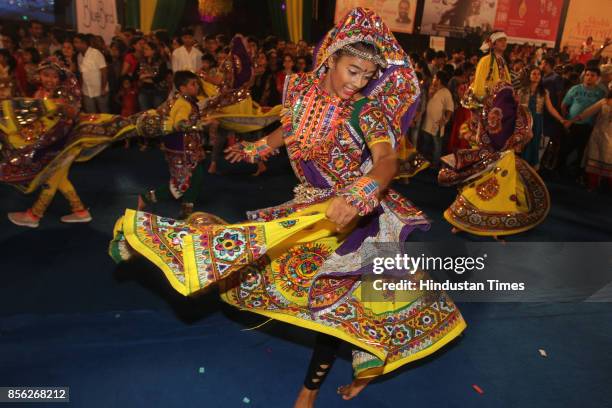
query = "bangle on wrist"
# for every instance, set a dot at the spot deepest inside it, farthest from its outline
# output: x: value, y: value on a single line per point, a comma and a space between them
x: 362, y: 195
x: 257, y: 151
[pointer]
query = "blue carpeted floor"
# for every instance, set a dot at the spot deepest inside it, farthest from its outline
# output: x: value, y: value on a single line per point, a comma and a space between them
x: 120, y: 337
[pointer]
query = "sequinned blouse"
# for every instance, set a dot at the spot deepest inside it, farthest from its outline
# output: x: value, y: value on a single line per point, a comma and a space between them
x: 328, y: 138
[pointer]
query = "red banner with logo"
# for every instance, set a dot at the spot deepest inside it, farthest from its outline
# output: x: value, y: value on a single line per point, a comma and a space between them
x: 534, y: 21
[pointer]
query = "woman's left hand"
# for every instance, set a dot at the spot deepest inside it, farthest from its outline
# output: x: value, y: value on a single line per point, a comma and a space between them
x: 341, y: 213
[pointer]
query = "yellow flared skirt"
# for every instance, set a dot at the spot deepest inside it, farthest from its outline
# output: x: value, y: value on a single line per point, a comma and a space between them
x: 507, y: 199
x: 269, y: 268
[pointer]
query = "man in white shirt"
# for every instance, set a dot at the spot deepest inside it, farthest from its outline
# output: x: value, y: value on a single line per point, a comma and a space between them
x: 94, y: 75
x: 439, y: 109
x: 187, y: 57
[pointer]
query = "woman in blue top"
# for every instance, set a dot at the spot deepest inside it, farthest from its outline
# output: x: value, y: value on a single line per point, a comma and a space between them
x: 534, y: 97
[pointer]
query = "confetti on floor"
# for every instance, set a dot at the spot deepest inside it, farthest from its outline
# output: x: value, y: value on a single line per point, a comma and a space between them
x: 246, y: 400
x: 477, y: 388
x: 543, y: 353
x: 201, y: 370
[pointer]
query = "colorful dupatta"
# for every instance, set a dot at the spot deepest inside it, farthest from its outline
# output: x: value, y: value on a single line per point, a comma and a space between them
x: 397, y: 87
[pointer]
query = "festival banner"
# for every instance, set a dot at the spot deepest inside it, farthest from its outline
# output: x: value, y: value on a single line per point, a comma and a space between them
x: 534, y: 21
x: 456, y: 18
x: 98, y: 17
x: 397, y: 14
x: 588, y: 19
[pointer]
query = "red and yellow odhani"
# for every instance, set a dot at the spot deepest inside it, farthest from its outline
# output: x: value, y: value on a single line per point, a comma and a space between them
x: 288, y: 262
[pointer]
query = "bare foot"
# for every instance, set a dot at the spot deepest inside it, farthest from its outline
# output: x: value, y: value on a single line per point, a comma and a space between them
x: 261, y: 168
x: 212, y: 169
x: 353, y: 389
x: 306, y: 398
x: 455, y: 230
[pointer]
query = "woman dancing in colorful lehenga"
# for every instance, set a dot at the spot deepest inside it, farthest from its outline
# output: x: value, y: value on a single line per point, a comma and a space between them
x: 499, y: 193
x: 302, y: 262
x: 41, y: 137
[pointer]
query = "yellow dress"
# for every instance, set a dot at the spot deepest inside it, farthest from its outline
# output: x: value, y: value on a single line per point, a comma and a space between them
x: 37, y: 139
x: 499, y: 193
x: 269, y: 268
x: 288, y: 262
x: 507, y: 198
x: 411, y: 161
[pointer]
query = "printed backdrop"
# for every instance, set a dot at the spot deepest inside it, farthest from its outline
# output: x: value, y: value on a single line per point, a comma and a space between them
x: 452, y: 18
x: 582, y: 22
x: 529, y: 21
x: 397, y: 14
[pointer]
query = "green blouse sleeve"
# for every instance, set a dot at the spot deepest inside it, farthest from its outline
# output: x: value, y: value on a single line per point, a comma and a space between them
x: 370, y: 120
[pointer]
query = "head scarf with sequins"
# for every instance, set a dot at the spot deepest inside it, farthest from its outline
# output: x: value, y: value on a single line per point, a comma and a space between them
x: 68, y: 89
x: 397, y: 87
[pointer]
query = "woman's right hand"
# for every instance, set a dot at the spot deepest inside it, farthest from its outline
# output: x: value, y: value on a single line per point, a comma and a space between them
x: 341, y: 213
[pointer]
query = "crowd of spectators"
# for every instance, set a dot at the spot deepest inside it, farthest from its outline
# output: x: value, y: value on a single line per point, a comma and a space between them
x: 133, y: 73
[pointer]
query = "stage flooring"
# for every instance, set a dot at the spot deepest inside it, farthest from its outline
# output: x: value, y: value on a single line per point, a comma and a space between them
x: 119, y: 336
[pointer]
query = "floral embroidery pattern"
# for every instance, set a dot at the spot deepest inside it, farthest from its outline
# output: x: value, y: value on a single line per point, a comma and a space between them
x: 494, y: 120
x: 229, y: 245
x: 488, y: 190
